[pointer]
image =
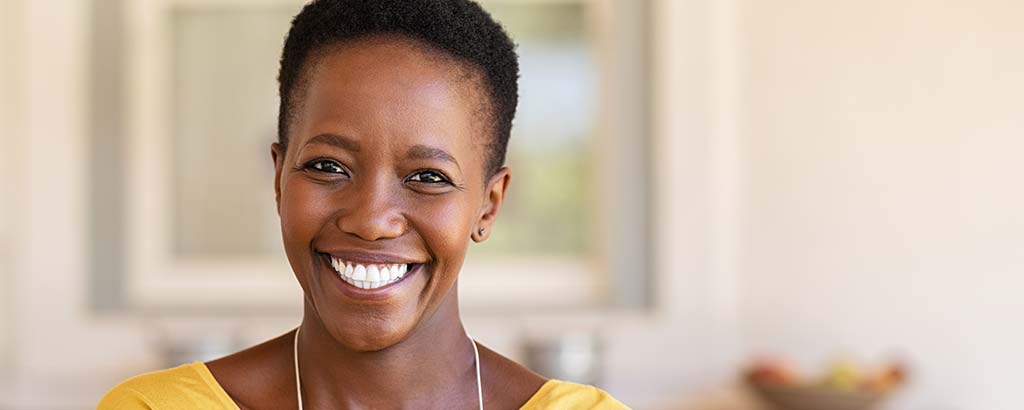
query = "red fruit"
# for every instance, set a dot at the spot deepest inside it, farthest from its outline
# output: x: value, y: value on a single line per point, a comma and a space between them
x: 773, y: 372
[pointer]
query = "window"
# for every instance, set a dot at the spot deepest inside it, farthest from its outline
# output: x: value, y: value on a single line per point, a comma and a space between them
x: 202, y: 108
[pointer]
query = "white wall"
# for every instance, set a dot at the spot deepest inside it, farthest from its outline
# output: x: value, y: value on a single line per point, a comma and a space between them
x: 11, y: 40
x: 883, y: 153
x: 56, y: 344
x: 8, y: 87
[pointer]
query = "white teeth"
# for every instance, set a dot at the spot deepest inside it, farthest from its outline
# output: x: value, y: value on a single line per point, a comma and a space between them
x: 373, y: 273
x: 369, y: 276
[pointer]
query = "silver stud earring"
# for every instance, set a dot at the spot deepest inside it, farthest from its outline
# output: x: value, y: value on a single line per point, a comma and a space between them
x: 480, y: 231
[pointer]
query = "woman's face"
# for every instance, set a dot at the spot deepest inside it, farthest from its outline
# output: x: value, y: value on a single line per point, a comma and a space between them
x: 382, y: 186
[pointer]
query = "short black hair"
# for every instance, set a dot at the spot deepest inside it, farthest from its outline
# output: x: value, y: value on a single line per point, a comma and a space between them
x: 460, y: 28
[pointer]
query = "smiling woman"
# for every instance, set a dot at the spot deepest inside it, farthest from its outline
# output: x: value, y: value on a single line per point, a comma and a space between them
x: 392, y: 131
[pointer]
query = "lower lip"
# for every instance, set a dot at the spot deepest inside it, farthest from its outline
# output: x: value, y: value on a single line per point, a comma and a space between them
x: 381, y: 293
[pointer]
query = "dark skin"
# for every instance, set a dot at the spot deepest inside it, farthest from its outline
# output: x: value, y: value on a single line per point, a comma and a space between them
x: 386, y: 163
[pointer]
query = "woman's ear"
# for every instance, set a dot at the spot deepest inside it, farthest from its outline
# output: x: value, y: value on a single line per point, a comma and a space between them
x: 277, y: 155
x: 495, y: 191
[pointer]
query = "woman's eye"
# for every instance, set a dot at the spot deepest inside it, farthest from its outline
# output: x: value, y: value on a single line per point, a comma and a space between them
x: 327, y: 166
x: 429, y: 177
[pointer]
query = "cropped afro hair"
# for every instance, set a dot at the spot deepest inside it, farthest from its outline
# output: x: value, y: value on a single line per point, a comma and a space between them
x: 460, y: 28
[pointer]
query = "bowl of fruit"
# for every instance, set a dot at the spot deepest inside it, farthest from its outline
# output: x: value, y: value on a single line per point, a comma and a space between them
x: 843, y: 387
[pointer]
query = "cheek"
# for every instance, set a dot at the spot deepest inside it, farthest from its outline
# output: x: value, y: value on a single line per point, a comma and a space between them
x: 304, y: 210
x: 445, y: 226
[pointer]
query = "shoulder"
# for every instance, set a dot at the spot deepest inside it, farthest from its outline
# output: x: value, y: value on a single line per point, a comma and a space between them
x: 507, y: 384
x: 557, y: 394
x: 510, y: 385
x: 184, y: 387
x: 261, y: 376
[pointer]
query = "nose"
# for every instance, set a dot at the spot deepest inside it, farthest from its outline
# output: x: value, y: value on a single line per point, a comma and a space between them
x: 373, y: 212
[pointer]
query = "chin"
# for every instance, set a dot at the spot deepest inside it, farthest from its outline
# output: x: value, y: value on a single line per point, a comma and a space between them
x: 362, y: 328
x: 368, y: 339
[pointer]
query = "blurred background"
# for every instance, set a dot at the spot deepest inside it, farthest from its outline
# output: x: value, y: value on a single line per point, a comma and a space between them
x: 700, y: 186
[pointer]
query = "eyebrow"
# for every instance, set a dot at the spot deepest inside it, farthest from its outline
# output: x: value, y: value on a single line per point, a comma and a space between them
x: 336, y: 140
x: 427, y: 152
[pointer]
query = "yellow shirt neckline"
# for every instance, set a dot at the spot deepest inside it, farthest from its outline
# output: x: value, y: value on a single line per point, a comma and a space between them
x: 222, y: 395
x: 192, y: 386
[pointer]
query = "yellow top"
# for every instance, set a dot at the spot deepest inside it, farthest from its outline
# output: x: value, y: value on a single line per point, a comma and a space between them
x: 192, y: 386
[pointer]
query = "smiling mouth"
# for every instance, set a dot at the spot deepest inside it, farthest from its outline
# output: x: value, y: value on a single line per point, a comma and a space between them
x: 370, y: 276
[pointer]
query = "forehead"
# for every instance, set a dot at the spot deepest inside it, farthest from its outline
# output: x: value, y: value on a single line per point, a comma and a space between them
x: 392, y: 88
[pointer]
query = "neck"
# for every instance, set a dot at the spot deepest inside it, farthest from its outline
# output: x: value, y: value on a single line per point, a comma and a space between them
x: 433, y: 367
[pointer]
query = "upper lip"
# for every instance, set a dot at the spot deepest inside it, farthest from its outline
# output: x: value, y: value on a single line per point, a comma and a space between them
x: 376, y: 258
